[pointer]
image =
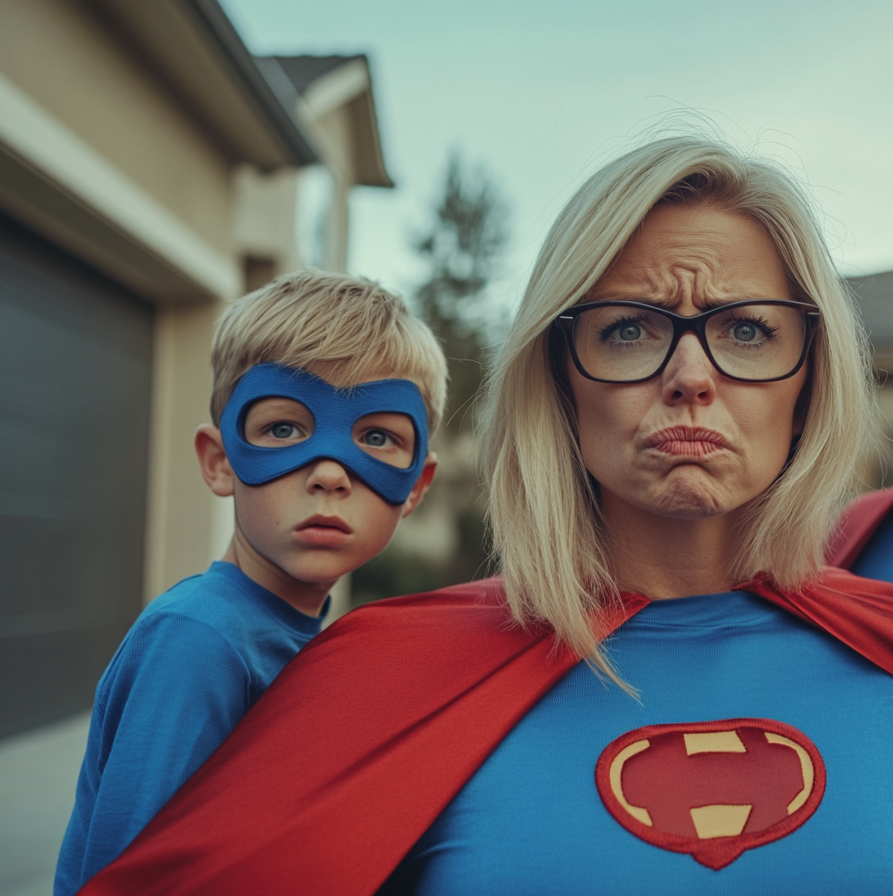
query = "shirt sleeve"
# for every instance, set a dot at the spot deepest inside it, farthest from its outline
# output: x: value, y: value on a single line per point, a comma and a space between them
x: 173, y: 692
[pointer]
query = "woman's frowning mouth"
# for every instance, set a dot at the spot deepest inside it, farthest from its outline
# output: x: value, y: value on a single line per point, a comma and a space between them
x: 690, y: 441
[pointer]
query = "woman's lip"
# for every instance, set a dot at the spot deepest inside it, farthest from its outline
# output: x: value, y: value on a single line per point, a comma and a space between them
x: 691, y: 441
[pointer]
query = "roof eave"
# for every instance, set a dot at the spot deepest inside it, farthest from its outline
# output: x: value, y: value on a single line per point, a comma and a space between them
x: 195, y: 50
x: 247, y: 73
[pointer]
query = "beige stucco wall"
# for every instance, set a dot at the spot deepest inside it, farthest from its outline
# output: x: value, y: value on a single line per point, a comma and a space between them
x: 187, y: 525
x: 265, y: 216
x: 336, y: 143
x: 71, y: 62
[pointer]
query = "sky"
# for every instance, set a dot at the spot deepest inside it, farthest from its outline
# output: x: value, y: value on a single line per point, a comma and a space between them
x: 541, y: 94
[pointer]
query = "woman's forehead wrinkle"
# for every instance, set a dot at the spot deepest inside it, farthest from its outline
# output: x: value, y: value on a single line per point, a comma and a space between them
x: 674, y: 260
x: 696, y: 279
x: 688, y: 268
x: 666, y: 278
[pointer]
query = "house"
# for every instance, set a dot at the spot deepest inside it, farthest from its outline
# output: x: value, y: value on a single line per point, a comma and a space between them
x: 151, y: 170
x: 874, y: 296
x: 334, y: 102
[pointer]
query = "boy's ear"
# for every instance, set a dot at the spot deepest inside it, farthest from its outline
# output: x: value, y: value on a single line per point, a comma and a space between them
x: 212, y: 460
x: 423, y: 483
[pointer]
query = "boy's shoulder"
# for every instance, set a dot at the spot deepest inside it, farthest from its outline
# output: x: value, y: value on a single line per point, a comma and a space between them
x: 221, y: 618
x: 213, y: 597
x: 225, y: 599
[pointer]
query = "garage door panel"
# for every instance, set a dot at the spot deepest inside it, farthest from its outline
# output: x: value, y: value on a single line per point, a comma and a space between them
x: 44, y: 677
x: 75, y: 374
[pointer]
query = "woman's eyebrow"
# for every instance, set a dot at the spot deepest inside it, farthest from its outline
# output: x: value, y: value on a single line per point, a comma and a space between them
x: 670, y: 303
x: 666, y: 303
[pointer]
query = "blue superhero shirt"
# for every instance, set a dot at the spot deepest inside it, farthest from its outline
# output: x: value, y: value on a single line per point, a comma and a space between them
x: 195, y: 661
x: 532, y: 820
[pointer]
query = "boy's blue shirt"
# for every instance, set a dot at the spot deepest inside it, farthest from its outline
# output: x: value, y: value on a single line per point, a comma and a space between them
x: 195, y: 661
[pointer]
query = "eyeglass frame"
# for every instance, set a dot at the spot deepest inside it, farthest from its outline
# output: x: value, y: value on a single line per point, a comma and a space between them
x: 566, y: 323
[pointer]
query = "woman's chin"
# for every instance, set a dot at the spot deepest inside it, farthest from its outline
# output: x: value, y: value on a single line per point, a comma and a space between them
x: 682, y: 500
x: 690, y: 493
x: 692, y: 510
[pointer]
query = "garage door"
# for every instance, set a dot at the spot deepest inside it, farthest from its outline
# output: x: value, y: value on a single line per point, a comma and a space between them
x: 75, y: 369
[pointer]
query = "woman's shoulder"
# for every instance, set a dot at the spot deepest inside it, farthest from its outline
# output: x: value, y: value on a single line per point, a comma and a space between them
x: 853, y: 609
x: 483, y: 600
x: 848, y: 583
x: 421, y: 642
x: 459, y: 614
x: 857, y: 524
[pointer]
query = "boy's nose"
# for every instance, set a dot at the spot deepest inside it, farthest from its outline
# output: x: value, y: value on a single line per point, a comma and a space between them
x: 329, y: 476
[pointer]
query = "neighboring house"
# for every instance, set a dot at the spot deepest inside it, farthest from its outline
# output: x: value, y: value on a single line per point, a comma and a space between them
x: 334, y: 103
x: 874, y: 295
x: 151, y: 171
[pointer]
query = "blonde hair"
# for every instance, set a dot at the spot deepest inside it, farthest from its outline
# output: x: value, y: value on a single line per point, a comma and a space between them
x: 543, y: 509
x: 344, y: 329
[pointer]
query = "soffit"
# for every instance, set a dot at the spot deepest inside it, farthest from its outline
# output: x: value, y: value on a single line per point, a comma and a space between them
x: 195, y: 50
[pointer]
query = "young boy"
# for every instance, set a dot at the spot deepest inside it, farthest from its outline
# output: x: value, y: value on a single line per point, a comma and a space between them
x: 325, y: 390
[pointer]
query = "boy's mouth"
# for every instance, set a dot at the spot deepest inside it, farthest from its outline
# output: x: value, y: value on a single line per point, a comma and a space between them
x: 320, y: 521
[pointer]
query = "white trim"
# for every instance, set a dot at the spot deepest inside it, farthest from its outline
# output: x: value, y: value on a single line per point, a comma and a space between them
x: 337, y: 87
x: 67, y: 161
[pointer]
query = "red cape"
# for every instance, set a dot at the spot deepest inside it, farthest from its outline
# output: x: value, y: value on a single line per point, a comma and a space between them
x: 857, y: 524
x: 367, y: 735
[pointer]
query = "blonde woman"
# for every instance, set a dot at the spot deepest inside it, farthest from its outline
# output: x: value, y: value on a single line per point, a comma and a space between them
x: 664, y: 691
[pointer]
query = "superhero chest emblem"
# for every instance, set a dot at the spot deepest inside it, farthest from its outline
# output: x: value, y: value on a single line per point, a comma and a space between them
x: 711, y: 789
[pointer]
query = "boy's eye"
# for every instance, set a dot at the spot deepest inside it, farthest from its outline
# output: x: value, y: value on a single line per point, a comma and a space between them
x: 275, y: 422
x: 284, y: 431
x: 388, y: 436
x: 378, y: 438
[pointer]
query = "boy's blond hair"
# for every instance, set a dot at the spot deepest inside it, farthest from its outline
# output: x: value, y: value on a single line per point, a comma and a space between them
x: 347, y: 330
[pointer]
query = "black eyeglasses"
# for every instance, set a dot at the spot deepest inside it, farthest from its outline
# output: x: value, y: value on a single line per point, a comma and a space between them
x: 754, y: 341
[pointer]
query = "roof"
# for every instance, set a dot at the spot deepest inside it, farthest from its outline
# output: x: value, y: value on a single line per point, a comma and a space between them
x: 302, y: 71
x: 874, y: 295
x: 329, y: 83
x: 197, y: 51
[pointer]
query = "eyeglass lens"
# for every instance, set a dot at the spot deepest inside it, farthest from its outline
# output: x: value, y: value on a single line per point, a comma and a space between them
x: 623, y: 343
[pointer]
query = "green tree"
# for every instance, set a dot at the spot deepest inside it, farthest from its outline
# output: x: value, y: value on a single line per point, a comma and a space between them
x: 461, y: 247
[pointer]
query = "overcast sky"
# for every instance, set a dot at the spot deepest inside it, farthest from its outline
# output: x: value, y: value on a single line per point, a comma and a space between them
x: 543, y: 93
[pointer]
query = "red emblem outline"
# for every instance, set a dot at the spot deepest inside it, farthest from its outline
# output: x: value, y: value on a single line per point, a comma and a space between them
x: 715, y: 852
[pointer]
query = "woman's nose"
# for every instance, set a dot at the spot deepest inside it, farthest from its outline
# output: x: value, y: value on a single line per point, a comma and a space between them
x: 689, y: 377
x: 326, y: 475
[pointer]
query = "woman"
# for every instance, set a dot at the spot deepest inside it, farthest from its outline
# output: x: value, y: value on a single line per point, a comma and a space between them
x: 673, y: 427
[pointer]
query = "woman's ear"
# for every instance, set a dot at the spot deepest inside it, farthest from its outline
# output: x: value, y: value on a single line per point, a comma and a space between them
x: 423, y: 483
x: 213, y: 462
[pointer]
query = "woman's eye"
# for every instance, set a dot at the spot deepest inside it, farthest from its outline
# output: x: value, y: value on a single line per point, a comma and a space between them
x: 751, y: 332
x: 284, y: 431
x: 624, y: 331
x: 744, y: 332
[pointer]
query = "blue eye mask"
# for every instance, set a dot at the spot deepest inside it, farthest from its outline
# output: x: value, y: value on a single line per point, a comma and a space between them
x: 335, y: 412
